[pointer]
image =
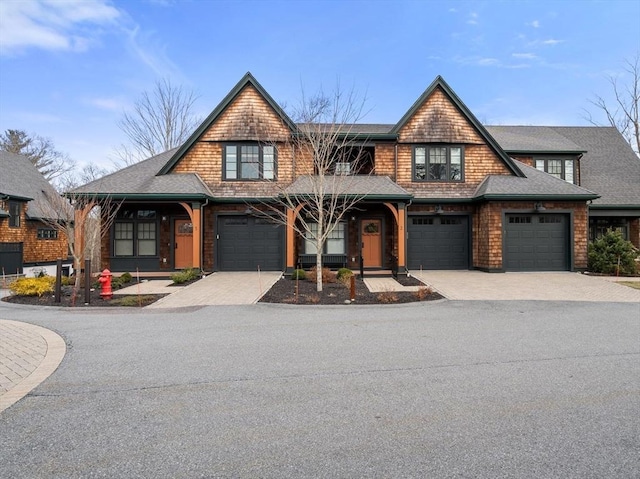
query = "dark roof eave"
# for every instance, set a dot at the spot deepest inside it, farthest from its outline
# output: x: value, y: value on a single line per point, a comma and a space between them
x: 613, y: 207
x: 545, y: 152
x: 537, y: 197
x: 141, y: 196
x: 16, y: 197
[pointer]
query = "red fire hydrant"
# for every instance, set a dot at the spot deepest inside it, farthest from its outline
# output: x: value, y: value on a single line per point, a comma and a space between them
x: 105, y: 284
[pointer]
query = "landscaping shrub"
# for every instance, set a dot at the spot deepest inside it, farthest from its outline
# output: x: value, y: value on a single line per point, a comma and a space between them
x: 387, y: 297
x: 422, y: 293
x: 327, y: 275
x: 344, y: 273
x: 67, y: 281
x: 298, y: 274
x: 33, y: 286
x: 610, y: 252
x: 126, y: 277
x: 133, y: 300
x: 185, y: 275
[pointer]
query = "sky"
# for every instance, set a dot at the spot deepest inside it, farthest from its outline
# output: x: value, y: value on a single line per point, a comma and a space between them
x: 70, y: 68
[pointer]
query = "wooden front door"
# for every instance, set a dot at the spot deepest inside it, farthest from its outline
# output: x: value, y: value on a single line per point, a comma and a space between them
x: 371, y: 234
x: 183, y: 244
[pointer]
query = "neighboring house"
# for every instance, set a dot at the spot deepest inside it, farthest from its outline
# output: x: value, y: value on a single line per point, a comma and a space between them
x: 29, y: 244
x: 442, y: 194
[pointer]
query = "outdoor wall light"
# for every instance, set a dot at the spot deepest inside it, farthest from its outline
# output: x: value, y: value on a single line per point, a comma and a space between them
x: 539, y: 207
x: 439, y: 210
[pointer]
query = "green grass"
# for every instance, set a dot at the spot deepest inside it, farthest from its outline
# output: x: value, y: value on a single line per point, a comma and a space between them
x: 133, y: 300
x: 631, y: 284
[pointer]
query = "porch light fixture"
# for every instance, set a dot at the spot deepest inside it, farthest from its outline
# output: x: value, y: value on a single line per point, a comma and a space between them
x: 439, y: 210
x: 539, y: 207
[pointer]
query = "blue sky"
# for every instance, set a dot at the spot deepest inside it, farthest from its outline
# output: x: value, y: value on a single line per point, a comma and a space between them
x: 68, y: 69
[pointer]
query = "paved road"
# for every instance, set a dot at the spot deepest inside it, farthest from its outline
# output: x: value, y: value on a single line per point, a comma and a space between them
x: 451, y: 389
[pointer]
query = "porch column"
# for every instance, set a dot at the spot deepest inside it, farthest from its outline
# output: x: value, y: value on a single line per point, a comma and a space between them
x: 80, y: 214
x: 402, y: 236
x: 291, y: 259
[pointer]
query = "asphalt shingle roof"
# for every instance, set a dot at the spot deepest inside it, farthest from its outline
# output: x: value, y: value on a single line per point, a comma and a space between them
x: 532, y: 138
x: 20, y: 178
x: 537, y: 183
x: 141, y: 179
x: 367, y: 186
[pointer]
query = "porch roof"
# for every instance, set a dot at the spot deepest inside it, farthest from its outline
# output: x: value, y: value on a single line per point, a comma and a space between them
x: 537, y: 185
x: 142, y: 180
x: 369, y: 187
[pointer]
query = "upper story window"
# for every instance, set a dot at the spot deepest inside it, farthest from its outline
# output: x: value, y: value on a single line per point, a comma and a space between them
x: 438, y: 163
x: 249, y: 162
x: 14, y: 214
x: 47, y: 233
x: 559, y: 168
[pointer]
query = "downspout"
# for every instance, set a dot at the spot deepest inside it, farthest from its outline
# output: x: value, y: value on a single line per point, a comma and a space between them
x: 395, y: 159
x: 579, y: 175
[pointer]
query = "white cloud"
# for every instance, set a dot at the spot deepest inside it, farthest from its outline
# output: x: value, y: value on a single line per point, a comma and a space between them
x: 146, y: 48
x: 51, y: 24
x: 109, y: 104
x: 551, y: 41
x: 534, y: 24
x: 525, y: 56
x: 473, y: 19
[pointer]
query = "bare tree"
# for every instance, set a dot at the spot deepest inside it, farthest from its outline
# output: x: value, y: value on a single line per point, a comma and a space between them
x: 329, y: 160
x: 40, y: 151
x: 623, y: 112
x: 83, y: 220
x: 160, y: 120
x: 75, y: 178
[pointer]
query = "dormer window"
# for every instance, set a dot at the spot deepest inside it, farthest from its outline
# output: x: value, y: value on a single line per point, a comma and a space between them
x: 438, y: 163
x: 560, y: 168
x: 249, y: 162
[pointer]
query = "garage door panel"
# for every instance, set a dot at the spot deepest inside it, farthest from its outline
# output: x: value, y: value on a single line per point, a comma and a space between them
x: 246, y: 244
x: 536, y: 243
x: 438, y: 242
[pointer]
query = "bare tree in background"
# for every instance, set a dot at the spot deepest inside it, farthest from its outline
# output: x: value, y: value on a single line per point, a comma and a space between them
x: 86, y: 174
x: 160, y: 120
x: 84, y: 220
x: 623, y: 112
x: 40, y: 151
x: 330, y: 159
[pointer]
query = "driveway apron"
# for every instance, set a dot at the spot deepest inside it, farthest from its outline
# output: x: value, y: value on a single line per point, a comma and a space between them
x: 563, y: 286
x: 227, y: 288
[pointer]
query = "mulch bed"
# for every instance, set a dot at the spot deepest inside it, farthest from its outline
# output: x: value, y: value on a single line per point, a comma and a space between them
x: 284, y: 291
x: 96, y: 300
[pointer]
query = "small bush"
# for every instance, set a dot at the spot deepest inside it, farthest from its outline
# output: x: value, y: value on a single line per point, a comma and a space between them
x: 66, y: 281
x: 126, y: 277
x: 422, y: 293
x: 313, y: 298
x: 185, y: 275
x: 33, y: 286
x: 298, y: 274
x: 387, y: 297
x: 327, y: 275
x: 344, y: 273
x: 610, y: 252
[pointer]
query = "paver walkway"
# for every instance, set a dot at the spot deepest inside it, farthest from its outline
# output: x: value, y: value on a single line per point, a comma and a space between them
x: 28, y: 355
x: 562, y: 286
x: 383, y: 284
x: 232, y: 288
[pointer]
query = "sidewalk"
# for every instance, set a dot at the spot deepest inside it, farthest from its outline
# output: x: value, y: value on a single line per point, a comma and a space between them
x: 29, y: 354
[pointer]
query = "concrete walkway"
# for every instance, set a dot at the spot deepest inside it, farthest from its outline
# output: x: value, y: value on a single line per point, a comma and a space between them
x: 562, y: 286
x: 28, y: 355
x: 383, y: 284
x: 233, y: 288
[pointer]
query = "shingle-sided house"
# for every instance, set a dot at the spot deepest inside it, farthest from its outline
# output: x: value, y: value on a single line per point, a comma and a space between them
x: 28, y: 242
x: 443, y: 192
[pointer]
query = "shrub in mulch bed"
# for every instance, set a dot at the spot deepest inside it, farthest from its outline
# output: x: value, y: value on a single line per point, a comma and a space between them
x: 284, y: 291
x: 131, y: 300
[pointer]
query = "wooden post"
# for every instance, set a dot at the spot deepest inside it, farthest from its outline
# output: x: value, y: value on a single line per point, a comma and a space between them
x: 352, y: 295
x: 87, y: 281
x: 58, y: 290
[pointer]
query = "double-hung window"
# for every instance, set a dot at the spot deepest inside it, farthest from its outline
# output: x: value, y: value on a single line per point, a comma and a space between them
x: 249, y: 162
x: 438, y: 163
x: 135, y: 233
x: 560, y: 168
x: 334, y: 244
x: 14, y: 214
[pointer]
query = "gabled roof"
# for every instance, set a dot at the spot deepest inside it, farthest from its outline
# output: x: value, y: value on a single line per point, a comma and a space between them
x: 608, y: 164
x: 21, y: 180
x: 369, y: 187
x: 482, y: 131
x: 140, y: 180
x: 529, y: 139
x: 247, y: 79
x: 537, y: 185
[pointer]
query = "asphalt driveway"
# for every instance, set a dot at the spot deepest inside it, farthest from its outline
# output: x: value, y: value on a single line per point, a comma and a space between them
x: 563, y: 286
x: 447, y: 389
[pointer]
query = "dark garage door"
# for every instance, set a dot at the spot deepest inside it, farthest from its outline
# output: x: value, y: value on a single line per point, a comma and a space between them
x: 536, y: 242
x: 246, y: 243
x: 10, y: 258
x: 438, y: 242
